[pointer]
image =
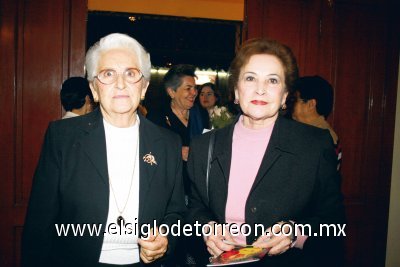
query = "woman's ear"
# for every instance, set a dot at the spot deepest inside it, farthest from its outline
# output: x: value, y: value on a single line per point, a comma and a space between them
x: 94, y: 92
x: 171, y: 92
x: 144, y: 89
x: 312, y: 104
x: 285, y: 95
x: 236, y: 94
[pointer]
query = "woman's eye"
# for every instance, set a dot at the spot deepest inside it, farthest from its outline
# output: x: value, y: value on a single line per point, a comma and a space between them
x: 249, y: 78
x: 130, y: 74
x: 108, y: 73
x: 273, y: 81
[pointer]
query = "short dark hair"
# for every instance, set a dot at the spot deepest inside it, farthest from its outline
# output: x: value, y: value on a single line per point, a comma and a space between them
x: 260, y: 46
x: 73, y: 93
x: 316, y: 87
x: 173, y: 78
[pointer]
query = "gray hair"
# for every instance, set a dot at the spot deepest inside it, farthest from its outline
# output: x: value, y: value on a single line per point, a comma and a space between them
x: 115, y: 41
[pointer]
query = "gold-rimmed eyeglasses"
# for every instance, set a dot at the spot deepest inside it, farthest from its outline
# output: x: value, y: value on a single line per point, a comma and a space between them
x: 110, y: 76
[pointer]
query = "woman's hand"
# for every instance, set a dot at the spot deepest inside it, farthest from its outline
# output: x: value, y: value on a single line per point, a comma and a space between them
x: 154, y: 247
x: 276, y: 241
x: 214, y: 239
x: 185, y: 153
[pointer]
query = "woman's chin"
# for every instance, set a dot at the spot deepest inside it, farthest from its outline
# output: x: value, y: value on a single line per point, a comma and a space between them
x: 127, y: 110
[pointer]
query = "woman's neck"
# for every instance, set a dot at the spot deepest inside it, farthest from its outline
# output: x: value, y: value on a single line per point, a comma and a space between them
x: 181, y: 113
x: 256, y: 124
x: 120, y: 120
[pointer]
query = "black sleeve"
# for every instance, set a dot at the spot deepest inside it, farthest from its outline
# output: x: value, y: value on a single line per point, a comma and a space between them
x: 198, y: 202
x: 327, y: 249
x: 43, y: 206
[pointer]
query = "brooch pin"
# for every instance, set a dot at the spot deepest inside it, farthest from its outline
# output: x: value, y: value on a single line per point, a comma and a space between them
x: 149, y: 158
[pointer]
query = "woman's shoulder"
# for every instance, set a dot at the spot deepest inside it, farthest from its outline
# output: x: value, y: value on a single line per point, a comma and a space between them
x: 302, y: 129
x: 154, y: 129
x: 202, y: 141
x: 304, y: 137
x: 70, y: 124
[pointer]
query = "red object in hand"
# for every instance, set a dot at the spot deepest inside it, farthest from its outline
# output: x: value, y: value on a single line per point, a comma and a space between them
x: 229, y: 254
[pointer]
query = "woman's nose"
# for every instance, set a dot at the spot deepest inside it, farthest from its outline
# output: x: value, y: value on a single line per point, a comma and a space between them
x: 121, y: 84
x: 261, y: 88
x: 193, y: 92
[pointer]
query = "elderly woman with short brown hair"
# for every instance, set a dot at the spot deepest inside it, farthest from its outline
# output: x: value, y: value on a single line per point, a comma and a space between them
x: 264, y: 169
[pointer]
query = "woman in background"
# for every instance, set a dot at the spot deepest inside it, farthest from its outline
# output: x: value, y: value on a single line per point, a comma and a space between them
x: 181, y: 115
x: 208, y: 97
x: 313, y: 103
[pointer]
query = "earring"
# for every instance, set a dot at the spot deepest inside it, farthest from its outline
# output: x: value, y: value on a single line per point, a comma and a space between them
x: 142, y: 98
x: 283, y: 107
x: 236, y: 101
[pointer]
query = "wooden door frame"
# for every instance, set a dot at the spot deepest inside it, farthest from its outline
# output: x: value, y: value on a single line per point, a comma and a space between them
x: 16, y: 35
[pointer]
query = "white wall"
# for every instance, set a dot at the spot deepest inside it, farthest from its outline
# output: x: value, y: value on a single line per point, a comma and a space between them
x: 393, y: 240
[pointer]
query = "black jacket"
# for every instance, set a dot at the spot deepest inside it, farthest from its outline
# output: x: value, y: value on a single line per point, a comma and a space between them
x: 71, y: 185
x: 297, y: 180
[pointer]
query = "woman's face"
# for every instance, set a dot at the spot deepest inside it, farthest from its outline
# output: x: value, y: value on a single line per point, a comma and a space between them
x: 207, y: 97
x: 261, y: 90
x: 118, y: 98
x: 185, y: 94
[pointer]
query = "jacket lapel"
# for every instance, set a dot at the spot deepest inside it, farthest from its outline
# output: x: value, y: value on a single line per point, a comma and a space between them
x: 277, y: 146
x: 223, y: 150
x: 149, y: 148
x: 94, y: 143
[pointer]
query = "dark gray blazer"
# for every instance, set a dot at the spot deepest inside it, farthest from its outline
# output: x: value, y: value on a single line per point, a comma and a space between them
x: 297, y: 180
x: 71, y: 185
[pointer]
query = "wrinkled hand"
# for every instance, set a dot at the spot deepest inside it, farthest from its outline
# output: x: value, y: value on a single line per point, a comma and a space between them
x: 214, y: 241
x: 277, y: 244
x: 154, y: 247
x: 185, y: 153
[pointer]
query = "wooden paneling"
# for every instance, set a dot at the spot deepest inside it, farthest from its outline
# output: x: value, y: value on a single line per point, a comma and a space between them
x: 8, y: 48
x: 42, y: 43
x: 365, y: 71
x: 298, y: 24
x: 354, y: 45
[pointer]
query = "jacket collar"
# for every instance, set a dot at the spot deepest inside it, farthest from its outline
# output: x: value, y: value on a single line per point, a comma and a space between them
x: 150, y: 147
x: 94, y: 142
x: 94, y: 145
x: 280, y: 143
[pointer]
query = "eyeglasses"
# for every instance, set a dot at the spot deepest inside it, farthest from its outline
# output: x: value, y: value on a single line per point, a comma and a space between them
x: 110, y: 76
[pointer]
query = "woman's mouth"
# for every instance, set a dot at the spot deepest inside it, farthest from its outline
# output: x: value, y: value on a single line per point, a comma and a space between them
x: 120, y: 96
x: 259, y: 102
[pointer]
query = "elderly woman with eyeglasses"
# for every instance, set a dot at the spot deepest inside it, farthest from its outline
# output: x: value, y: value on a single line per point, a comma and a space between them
x: 111, y: 176
x: 266, y: 170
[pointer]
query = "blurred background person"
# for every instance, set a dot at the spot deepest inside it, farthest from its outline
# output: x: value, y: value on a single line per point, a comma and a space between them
x: 76, y: 97
x: 181, y: 115
x: 313, y: 103
x: 208, y: 97
x: 107, y: 168
x: 266, y: 169
x: 187, y: 119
